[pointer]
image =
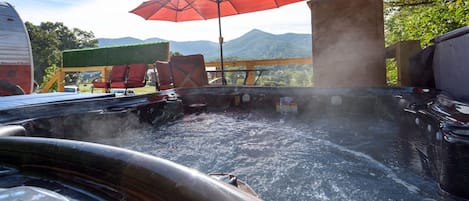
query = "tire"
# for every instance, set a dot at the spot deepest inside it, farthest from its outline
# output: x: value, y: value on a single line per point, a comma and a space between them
x: 10, y: 89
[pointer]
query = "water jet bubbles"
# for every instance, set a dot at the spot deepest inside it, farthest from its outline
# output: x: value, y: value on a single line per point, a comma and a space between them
x: 417, y: 121
x: 246, y: 98
x: 438, y: 136
x: 282, y: 120
x: 336, y: 100
x: 403, y: 102
x: 429, y: 128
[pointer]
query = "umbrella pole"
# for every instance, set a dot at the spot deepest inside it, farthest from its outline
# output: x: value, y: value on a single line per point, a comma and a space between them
x: 220, y: 40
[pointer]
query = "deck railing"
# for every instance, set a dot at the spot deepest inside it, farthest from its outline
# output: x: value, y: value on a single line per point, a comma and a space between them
x: 402, y: 51
x: 249, y: 67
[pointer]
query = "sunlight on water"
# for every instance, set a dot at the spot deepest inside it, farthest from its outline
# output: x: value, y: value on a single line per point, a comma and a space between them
x: 323, y: 159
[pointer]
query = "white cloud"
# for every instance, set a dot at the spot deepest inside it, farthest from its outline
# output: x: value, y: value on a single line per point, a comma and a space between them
x: 112, y: 19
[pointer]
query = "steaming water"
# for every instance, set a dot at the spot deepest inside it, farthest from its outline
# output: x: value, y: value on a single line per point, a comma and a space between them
x: 292, y: 159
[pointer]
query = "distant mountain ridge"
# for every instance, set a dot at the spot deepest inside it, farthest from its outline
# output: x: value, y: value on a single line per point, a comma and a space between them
x: 255, y: 44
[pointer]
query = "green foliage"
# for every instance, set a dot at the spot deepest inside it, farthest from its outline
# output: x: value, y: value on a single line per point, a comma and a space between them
x: 48, y: 40
x: 175, y: 53
x: 301, y: 78
x: 48, y: 73
x: 45, y: 49
x: 424, y: 21
x: 392, y: 4
x: 279, y: 75
x: 73, y: 78
x: 421, y: 20
x: 289, y: 75
x: 391, y: 74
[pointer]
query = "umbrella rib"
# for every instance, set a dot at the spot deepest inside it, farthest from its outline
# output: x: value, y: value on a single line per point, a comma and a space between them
x: 236, y: 9
x: 276, y: 3
x: 232, y: 5
x: 177, y: 11
x: 174, y: 7
x: 197, y: 10
x: 229, y: 1
x: 144, y: 5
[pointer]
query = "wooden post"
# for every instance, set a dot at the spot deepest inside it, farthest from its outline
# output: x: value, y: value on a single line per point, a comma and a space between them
x: 250, y: 74
x: 404, y: 51
x: 51, y: 81
x: 310, y: 5
x: 61, y: 80
x: 105, y: 77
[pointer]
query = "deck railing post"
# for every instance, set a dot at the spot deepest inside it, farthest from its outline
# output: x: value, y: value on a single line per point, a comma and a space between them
x: 51, y: 81
x: 105, y: 77
x: 404, y: 51
x: 61, y: 80
x: 250, y: 74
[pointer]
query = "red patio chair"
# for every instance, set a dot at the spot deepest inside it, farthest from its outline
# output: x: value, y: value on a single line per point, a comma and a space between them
x: 136, y: 77
x: 118, y: 73
x: 189, y: 71
x: 165, y: 78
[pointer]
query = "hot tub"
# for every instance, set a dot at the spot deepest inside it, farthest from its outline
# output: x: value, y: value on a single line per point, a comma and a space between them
x: 301, y: 143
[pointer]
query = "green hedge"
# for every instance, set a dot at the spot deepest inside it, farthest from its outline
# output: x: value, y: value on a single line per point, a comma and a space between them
x: 107, y: 56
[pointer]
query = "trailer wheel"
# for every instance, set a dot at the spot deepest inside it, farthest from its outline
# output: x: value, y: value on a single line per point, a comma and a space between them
x: 9, y: 89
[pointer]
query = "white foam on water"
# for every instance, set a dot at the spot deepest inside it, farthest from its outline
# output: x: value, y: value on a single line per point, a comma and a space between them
x: 275, y: 156
x: 389, y: 172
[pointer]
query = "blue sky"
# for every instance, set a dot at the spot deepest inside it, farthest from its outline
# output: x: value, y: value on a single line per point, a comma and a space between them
x: 111, y: 19
x: 43, y: 3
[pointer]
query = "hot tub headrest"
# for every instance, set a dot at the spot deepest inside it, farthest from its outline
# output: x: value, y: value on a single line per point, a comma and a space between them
x: 12, y: 130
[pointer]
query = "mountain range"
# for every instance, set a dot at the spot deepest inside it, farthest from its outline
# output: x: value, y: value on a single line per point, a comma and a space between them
x: 255, y: 44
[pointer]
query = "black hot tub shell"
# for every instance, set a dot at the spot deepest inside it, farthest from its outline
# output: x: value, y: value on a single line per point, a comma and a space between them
x: 432, y: 124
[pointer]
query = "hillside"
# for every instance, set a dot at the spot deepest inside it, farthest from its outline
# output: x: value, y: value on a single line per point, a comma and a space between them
x: 261, y: 45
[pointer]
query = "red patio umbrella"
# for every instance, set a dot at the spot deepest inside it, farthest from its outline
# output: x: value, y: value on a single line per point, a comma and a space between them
x: 188, y: 10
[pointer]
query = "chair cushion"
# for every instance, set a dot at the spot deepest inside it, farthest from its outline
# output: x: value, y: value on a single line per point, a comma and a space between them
x: 189, y: 71
x: 118, y: 73
x: 118, y: 85
x: 164, y: 75
x: 101, y: 84
x: 129, y: 84
x: 137, y: 73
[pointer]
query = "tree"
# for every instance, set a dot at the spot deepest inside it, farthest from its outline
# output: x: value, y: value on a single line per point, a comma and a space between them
x: 175, y: 54
x: 407, y: 3
x: 45, y: 49
x: 48, y: 40
x: 423, y: 19
x: 48, y: 73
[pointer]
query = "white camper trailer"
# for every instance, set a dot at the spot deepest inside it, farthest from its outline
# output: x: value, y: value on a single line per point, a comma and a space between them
x: 16, y: 59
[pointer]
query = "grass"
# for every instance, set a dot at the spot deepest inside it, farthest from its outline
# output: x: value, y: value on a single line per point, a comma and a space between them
x: 86, y: 88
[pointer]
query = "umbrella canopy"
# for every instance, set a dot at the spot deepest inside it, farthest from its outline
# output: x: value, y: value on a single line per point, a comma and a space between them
x: 188, y: 10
